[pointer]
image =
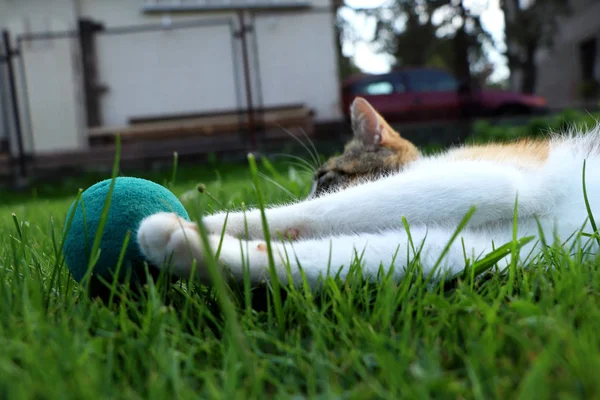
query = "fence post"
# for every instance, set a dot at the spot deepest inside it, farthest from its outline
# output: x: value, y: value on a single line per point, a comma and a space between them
x: 246, y: 62
x: 12, y: 89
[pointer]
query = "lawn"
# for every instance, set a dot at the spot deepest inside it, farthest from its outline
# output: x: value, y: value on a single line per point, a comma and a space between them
x: 530, y: 333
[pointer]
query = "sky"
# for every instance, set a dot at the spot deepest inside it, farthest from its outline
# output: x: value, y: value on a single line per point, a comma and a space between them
x: 367, y: 60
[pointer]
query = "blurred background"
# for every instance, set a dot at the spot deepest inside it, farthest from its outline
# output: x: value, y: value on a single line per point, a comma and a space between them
x: 214, y: 79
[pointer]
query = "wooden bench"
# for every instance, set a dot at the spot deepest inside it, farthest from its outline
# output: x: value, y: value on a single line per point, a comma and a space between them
x: 226, y: 122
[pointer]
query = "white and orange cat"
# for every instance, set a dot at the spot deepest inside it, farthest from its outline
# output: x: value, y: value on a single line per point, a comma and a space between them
x: 361, y: 213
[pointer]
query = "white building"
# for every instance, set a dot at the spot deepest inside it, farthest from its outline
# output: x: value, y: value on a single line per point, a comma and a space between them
x: 162, y: 57
x: 574, y: 57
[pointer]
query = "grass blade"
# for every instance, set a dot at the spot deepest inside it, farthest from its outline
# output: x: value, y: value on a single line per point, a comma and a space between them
x: 273, y: 273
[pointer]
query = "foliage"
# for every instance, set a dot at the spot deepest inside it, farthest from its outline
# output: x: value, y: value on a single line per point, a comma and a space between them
x: 410, y: 31
x: 522, y: 334
x: 484, y: 131
x: 589, y: 89
x: 344, y: 32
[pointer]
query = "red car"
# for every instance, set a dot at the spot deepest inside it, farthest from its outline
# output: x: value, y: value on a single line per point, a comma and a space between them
x: 428, y: 94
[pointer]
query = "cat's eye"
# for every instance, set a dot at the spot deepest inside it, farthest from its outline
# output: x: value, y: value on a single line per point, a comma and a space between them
x: 319, y: 174
x: 319, y: 183
x: 321, y: 179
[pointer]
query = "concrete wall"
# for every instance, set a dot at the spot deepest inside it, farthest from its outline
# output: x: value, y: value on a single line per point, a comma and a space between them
x: 53, y: 86
x: 48, y: 85
x: 298, y: 62
x: 165, y: 71
x: 559, y: 69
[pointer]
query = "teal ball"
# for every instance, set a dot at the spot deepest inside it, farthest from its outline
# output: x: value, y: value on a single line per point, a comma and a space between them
x: 132, y: 200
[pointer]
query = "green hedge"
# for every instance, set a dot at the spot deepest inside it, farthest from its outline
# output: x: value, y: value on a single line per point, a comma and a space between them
x: 539, y: 127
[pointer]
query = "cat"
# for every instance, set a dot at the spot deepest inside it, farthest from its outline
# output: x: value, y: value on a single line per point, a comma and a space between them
x: 359, y: 213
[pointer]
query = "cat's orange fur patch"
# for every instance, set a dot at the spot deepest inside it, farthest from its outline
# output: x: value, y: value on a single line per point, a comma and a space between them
x: 402, y: 156
x: 524, y: 153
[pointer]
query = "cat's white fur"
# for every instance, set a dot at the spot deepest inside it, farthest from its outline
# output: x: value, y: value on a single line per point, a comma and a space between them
x: 433, y: 193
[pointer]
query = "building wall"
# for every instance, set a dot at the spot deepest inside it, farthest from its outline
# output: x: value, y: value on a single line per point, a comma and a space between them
x: 559, y: 68
x: 298, y: 62
x: 166, y: 71
x: 53, y: 95
x: 46, y: 74
x: 558, y: 76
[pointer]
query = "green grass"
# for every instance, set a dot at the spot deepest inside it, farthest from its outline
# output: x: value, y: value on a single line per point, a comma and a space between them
x: 531, y: 333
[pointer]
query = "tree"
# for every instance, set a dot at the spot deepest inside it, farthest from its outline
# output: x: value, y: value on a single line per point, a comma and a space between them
x: 409, y: 31
x: 343, y: 32
x: 530, y: 26
x: 406, y: 32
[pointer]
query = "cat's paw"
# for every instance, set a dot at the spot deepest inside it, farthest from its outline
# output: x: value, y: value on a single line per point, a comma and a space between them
x: 165, y: 238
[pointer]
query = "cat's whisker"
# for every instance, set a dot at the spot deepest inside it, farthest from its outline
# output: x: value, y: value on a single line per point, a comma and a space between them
x: 308, y: 150
x: 303, y: 169
x: 268, y: 179
x: 312, y: 144
x: 308, y: 166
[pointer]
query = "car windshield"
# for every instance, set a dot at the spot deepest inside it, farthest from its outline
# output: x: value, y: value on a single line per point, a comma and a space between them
x: 424, y: 80
x: 383, y: 85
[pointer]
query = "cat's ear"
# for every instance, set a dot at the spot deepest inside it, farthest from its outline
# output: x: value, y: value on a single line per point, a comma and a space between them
x: 370, y: 127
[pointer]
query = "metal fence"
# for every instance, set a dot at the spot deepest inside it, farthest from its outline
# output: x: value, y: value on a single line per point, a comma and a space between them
x: 10, y: 121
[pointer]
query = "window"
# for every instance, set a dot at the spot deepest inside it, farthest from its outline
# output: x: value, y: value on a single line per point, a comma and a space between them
x: 429, y: 80
x: 378, y: 88
x: 390, y: 85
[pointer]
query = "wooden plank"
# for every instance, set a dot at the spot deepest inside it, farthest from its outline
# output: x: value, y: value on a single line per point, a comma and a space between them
x: 171, y: 117
x: 205, y: 126
x: 154, y: 150
x: 139, y: 151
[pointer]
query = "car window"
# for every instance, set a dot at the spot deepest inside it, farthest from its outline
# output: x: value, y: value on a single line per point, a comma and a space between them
x: 431, y: 81
x: 376, y: 88
x: 399, y: 87
x: 380, y: 87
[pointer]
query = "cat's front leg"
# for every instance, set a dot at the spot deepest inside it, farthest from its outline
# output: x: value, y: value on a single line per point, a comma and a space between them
x: 435, y: 193
x: 165, y: 237
x: 289, y: 222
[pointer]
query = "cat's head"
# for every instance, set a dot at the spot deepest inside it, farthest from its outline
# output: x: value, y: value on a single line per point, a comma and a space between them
x: 375, y: 149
